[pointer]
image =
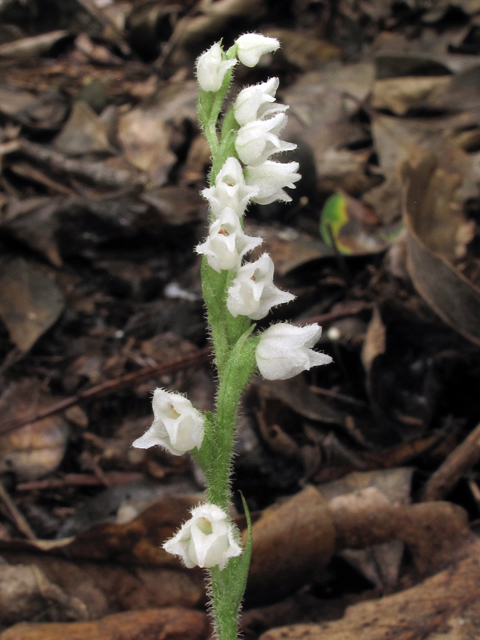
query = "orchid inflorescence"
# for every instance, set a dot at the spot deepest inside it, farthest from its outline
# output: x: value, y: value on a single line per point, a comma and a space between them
x: 235, y: 293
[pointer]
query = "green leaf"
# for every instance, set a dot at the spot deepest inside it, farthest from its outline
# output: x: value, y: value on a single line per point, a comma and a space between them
x: 332, y: 219
x: 204, y: 107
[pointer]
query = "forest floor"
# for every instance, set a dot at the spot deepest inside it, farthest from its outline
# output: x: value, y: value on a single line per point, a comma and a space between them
x: 362, y: 476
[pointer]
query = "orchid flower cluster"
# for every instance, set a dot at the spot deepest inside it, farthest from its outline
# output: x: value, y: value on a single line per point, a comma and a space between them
x: 235, y: 293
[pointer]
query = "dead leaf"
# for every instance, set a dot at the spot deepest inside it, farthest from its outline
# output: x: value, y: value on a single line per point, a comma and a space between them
x: 149, y: 624
x: 288, y: 247
x: 176, y: 205
x: 291, y: 542
x: 321, y: 106
x: 35, y: 222
x: 106, y: 587
x: 84, y: 132
x: 146, y: 132
x: 402, y: 94
x: 431, y: 213
x: 32, y: 47
x: 30, y: 303
x: 34, y: 450
x: 443, y: 607
x: 379, y: 563
x: 25, y: 593
x: 305, y: 51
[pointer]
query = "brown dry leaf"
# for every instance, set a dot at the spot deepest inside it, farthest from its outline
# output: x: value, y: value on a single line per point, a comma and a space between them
x: 30, y: 303
x: 14, y: 102
x: 379, y: 563
x: 32, y: 47
x: 375, y: 341
x: 306, y: 51
x: 315, y: 529
x: 390, y: 64
x: 296, y: 395
x: 35, y: 222
x: 46, y: 111
x: 291, y: 542
x: 104, y: 588
x: 149, y: 624
x: 433, y: 218
x: 443, y: 607
x: 321, y: 105
x: 209, y: 23
x: 401, y: 94
x: 288, y: 247
x: 398, y: 140
x: 147, y: 132
x: 34, y: 450
x: 176, y: 205
x: 84, y: 132
x: 115, y: 566
x: 25, y: 593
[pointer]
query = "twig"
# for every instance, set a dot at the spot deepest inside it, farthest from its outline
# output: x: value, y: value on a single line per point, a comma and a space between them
x: 454, y: 466
x: 115, y: 478
x: 22, y: 524
x: 110, y: 386
x: 338, y: 396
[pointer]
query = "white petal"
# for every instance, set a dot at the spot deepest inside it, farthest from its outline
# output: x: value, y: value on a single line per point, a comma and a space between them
x: 285, y: 350
x: 178, y: 426
x: 252, y: 46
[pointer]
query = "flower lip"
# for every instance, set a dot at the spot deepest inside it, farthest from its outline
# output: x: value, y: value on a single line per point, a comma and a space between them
x: 207, y: 539
x: 257, y: 102
x: 270, y: 180
x: 230, y: 190
x: 257, y: 141
x: 252, y: 46
x: 177, y: 425
x: 252, y: 292
x: 285, y: 350
x: 227, y: 243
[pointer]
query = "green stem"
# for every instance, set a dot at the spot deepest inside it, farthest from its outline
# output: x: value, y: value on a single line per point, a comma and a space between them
x: 239, y: 369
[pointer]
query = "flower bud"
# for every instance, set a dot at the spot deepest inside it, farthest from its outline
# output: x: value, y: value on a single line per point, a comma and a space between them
x: 227, y: 243
x: 211, y: 69
x: 258, y: 140
x: 230, y: 189
x: 177, y: 425
x: 252, y: 46
x: 206, y: 540
x: 270, y: 178
x: 252, y: 292
x: 285, y: 350
x: 257, y: 102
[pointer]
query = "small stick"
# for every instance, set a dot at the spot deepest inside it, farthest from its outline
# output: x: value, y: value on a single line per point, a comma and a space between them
x: 454, y: 466
x: 110, y: 386
x: 115, y: 478
x: 22, y: 524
